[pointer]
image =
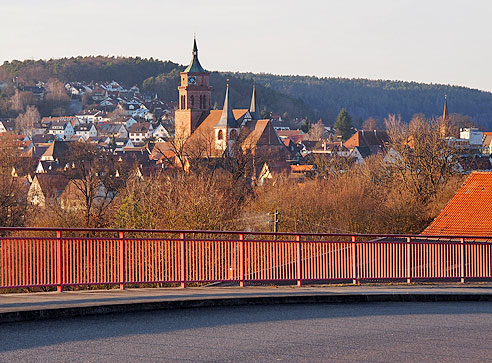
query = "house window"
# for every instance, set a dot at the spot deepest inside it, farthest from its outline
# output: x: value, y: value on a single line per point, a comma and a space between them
x: 220, y: 135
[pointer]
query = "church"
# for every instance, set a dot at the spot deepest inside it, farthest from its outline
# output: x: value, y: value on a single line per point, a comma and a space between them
x: 202, y: 132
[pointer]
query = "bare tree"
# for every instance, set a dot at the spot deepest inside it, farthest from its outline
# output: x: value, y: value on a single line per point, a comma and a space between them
x: 20, y: 100
x: 316, y: 132
x: 25, y: 121
x: 419, y: 157
x: 371, y: 124
x: 13, y: 191
x: 92, y: 174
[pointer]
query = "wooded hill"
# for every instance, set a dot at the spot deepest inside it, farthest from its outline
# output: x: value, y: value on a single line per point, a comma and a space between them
x: 298, y: 96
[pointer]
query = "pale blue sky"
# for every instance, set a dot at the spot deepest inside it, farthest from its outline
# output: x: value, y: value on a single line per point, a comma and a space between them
x: 434, y: 41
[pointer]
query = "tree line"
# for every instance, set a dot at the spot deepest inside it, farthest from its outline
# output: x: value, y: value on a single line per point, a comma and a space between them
x: 297, y: 96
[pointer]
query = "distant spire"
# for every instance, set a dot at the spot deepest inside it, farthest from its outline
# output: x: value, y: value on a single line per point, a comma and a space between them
x: 195, y: 48
x: 445, y: 112
x: 443, y: 127
x: 195, y: 66
x: 253, y: 108
x: 227, y: 118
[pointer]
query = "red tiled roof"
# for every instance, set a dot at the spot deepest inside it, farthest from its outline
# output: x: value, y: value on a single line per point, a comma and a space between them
x: 367, y: 138
x: 468, y: 212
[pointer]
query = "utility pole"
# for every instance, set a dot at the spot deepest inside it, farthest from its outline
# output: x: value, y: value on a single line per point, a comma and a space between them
x: 275, y: 221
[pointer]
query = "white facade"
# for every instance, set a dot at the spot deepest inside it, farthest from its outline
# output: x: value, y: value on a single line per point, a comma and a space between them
x: 161, y: 132
x: 88, y: 118
x: 472, y: 135
x: 61, y: 130
x: 86, y: 131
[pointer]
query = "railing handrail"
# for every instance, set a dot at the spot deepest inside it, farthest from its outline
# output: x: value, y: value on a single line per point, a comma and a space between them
x: 252, y: 233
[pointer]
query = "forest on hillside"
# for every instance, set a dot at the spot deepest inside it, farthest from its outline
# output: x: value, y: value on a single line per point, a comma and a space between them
x: 365, y: 98
x: 298, y: 96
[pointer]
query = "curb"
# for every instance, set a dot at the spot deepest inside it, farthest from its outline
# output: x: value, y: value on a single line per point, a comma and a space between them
x: 78, y: 311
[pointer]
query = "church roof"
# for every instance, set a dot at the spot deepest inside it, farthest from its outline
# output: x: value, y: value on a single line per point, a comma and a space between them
x: 195, y: 66
x: 201, y: 141
x: 262, y: 135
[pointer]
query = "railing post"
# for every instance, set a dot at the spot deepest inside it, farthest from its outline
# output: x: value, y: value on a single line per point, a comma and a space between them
x: 122, y: 260
x: 299, y: 260
x: 59, y: 257
x: 183, y: 260
x: 409, y: 260
x: 355, y: 279
x: 241, y: 260
x: 463, y: 271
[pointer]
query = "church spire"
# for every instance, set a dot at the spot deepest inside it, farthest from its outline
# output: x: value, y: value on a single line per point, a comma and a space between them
x: 227, y: 118
x: 195, y: 66
x: 443, y: 127
x: 445, y: 112
x: 195, y: 48
x: 253, y: 108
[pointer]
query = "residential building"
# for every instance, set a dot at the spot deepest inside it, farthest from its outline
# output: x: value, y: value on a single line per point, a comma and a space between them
x: 140, y: 132
x: 86, y: 131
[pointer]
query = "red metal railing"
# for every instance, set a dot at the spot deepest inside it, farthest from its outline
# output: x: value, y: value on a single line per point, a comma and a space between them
x: 48, y: 257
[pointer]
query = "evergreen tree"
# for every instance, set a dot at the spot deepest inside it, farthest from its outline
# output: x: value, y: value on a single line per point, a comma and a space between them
x: 343, y: 124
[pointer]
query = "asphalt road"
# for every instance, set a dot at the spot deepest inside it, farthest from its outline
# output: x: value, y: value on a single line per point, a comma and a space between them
x: 389, y: 332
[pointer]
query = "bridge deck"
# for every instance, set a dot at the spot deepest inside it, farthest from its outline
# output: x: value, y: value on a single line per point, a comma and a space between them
x: 22, y: 306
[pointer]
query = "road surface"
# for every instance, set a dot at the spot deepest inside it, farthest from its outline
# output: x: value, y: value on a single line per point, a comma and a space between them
x: 389, y: 332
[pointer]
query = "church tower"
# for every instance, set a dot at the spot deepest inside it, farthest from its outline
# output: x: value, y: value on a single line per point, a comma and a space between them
x: 226, y: 130
x: 194, y: 98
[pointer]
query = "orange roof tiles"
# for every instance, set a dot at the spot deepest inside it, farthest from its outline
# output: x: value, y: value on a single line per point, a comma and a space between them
x: 367, y: 138
x: 301, y: 168
x: 468, y: 212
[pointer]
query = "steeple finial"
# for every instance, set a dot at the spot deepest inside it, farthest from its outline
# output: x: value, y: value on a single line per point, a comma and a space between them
x: 227, y: 118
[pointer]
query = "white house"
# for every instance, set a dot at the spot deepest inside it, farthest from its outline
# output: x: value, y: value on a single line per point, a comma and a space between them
x: 161, y: 132
x: 61, y: 129
x: 129, y: 122
x: 108, y: 102
x: 86, y: 131
x: 6, y: 125
x: 472, y: 135
x: 149, y: 116
x: 141, y: 131
x: 88, y: 117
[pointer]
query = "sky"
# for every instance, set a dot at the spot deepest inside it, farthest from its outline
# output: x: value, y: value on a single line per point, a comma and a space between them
x: 432, y: 41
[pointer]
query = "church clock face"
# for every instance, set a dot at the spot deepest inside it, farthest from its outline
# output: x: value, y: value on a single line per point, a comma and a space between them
x: 192, y: 80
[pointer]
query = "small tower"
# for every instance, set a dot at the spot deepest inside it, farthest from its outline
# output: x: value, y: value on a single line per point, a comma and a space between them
x: 253, y: 108
x: 227, y: 129
x: 194, y: 97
